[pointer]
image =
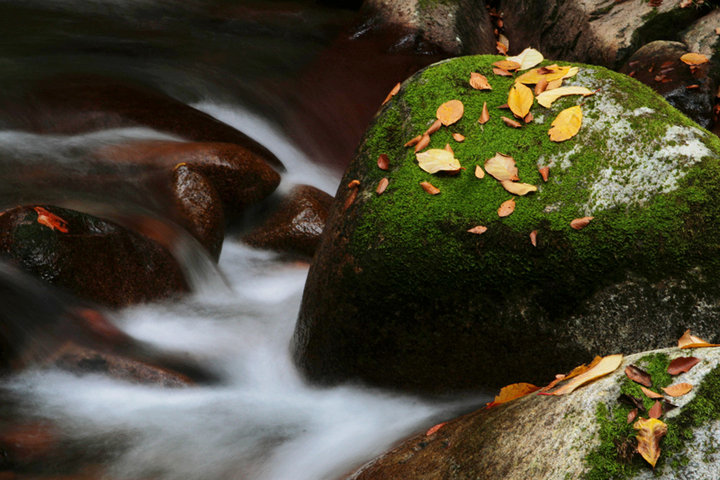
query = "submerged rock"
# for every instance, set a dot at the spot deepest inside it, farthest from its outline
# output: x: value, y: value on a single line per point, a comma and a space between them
x: 402, y: 295
x: 581, y: 435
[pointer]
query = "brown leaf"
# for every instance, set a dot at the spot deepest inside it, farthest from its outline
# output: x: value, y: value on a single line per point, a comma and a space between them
x: 50, y: 220
x: 528, y: 118
x: 502, y: 167
x: 632, y: 401
x: 383, y: 162
x: 541, y: 86
x: 544, y: 173
x: 638, y: 375
x: 650, y: 394
x: 392, y: 93
x: 448, y: 148
x: 694, y: 58
x: 632, y: 415
x: 566, y: 125
x: 511, y: 123
x: 580, y: 223
x: 607, y: 365
x: 450, y: 112
x: 678, y: 390
x: 650, y: 431
x: 520, y: 100
x: 682, y: 365
x: 512, y: 392
x: 354, y: 183
x: 501, y: 72
x: 501, y: 48
x: 479, y: 172
x: 434, y: 127
x: 485, y: 115
x: 517, y: 188
x: 504, y: 106
x: 508, y: 65
x: 533, y: 238
x: 458, y: 138
x: 656, y: 410
x: 413, y: 141
x: 430, y: 188
x: 479, y: 230
x: 479, y: 82
x: 691, y: 341
x: 424, y: 142
x: 382, y: 185
x: 506, y: 208
x: 350, y: 198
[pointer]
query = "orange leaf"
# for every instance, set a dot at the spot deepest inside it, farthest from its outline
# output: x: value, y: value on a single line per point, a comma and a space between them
x: 479, y: 82
x: 413, y: 141
x: 501, y: 48
x: 691, y: 341
x: 479, y: 230
x: 448, y: 148
x: 382, y: 185
x: 508, y: 65
x: 354, y: 183
x: 479, y: 172
x: 533, y: 238
x: 430, y: 188
x: 678, y: 390
x: 485, y: 115
x: 50, y: 220
x: 541, y: 86
x: 383, y: 162
x: 392, y: 93
x: 450, y: 112
x: 512, y: 392
x: 632, y: 414
x: 434, y: 127
x: 511, y: 123
x: 544, y: 173
x: 457, y: 137
x: 580, y: 223
x: 650, y: 394
x: 605, y: 366
x: 566, y: 125
x: 506, y: 208
x: 520, y: 100
x: 694, y: 58
x: 424, y: 142
x: 518, y: 188
x: 650, y: 431
x: 501, y: 72
x: 656, y: 410
x: 435, y: 428
x: 528, y: 118
x: 350, y: 198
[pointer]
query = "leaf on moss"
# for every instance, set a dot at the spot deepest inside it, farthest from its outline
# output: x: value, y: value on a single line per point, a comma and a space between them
x: 50, y: 220
x: 517, y: 188
x: 533, y: 238
x: 528, y: 58
x: 382, y: 185
x: 656, y: 410
x: 682, y: 365
x: 650, y: 394
x: 448, y: 148
x: 479, y: 172
x: 485, y: 115
x: 691, y: 341
x: 512, y: 392
x: 580, y: 223
x: 430, y: 188
x: 541, y: 86
x: 501, y: 72
x: 434, y: 127
x: 544, y: 173
x: 632, y: 415
x: 566, y: 125
x: 507, y: 65
x: 638, y: 375
x: 510, y: 122
x: 650, y: 431
x: 502, y: 167
x: 424, y: 142
x: 450, y: 112
x: 550, y: 73
x: 479, y: 81
x: 554, y: 84
x: 547, y: 97
x: 604, y: 367
x: 506, y: 208
x: 383, y: 162
x: 437, y: 160
x: 678, y: 390
x: 458, y: 137
x: 392, y: 93
x: 694, y: 59
x: 520, y: 100
x: 414, y: 141
x: 478, y: 230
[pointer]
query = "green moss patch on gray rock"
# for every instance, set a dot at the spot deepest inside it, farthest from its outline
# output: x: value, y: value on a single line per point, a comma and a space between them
x: 401, y: 295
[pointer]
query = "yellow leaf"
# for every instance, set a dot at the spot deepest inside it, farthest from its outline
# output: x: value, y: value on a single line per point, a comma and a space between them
x: 450, y: 112
x: 571, y: 73
x: 479, y: 82
x: 678, y: 390
x: 436, y: 160
x: 607, y: 365
x: 520, y: 99
x: 510, y: 66
x: 528, y: 58
x: 547, y: 98
x: 512, y: 392
x: 566, y: 125
x: 553, y: 72
x: 691, y: 341
x: 694, y: 58
x: 554, y: 84
x: 517, y: 188
x: 650, y: 431
x: 502, y: 167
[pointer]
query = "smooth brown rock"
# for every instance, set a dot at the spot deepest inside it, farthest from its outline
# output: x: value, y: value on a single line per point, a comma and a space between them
x: 296, y: 224
x: 96, y: 259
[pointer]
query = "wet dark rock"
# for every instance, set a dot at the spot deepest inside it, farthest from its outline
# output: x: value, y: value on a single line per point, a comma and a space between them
x: 690, y: 90
x: 295, y: 224
x: 95, y: 259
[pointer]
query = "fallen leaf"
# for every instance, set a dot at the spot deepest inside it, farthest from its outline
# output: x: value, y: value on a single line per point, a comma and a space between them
x: 682, y: 365
x: 382, y: 185
x: 650, y: 394
x: 694, y: 58
x: 638, y: 375
x: 450, y: 112
x: 448, y: 148
x: 479, y: 230
x: 550, y: 73
x: 354, y: 183
x: 678, y: 390
x: 504, y: 106
x: 691, y: 341
x: 457, y: 137
x: 350, y: 198
x: 650, y: 431
x: 694, y: 86
x: 512, y: 392
x: 528, y: 58
x: 437, y: 160
x: 544, y: 173
x: 506, y: 208
x: 605, y: 366
x: 502, y: 167
x: 485, y: 115
x: 632, y: 415
x: 566, y: 125
x: 50, y: 220
x: 479, y: 172
x: 580, y: 223
x: 685, y: 3
x: 383, y: 162
x: 533, y: 238
x: 717, y: 30
x: 508, y: 65
x: 435, y: 428
x: 541, y: 86
x: 413, y: 141
x: 503, y: 44
x: 547, y: 98
x: 424, y: 142
x: 511, y: 123
x: 558, y: 378
x: 571, y: 73
x: 528, y: 118
x: 430, y: 188
x: 554, y: 84
x: 632, y: 401
x: 392, y: 93
x: 520, y: 100
x: 501, y: 72
x: 517, y: 188
x: 434, y: 127
x: 479, y: 82
x: 656, y: 410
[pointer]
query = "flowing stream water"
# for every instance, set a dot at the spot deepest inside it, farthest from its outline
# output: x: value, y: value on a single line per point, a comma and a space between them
x: 261, y: 420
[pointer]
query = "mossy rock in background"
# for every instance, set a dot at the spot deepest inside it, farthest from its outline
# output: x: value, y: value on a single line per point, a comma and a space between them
x: 583, y: 435
x: 401, y: 295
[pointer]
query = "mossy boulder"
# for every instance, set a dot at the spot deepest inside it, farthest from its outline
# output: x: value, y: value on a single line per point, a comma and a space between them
x: 583, y: 435
x: 401, y: 295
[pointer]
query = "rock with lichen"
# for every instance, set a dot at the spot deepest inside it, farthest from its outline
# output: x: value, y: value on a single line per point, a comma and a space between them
x: 400, y: 294
x: 582, y: 435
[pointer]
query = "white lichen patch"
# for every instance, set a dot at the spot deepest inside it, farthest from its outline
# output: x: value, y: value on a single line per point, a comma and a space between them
x: 563, y: 160
x: 642, y: 111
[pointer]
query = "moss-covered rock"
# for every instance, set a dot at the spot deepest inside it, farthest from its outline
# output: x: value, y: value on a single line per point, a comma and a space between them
x: 583, y: 435
x: 401, y: 295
